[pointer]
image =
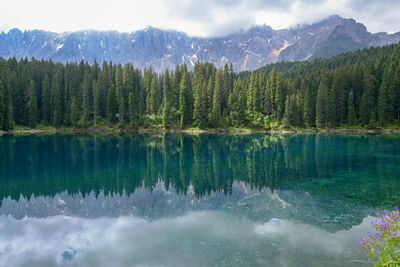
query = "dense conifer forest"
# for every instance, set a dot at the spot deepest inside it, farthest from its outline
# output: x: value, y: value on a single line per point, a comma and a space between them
x: 357, y: 89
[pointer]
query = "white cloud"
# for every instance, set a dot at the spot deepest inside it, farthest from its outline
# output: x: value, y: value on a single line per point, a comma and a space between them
x: 196, y: 17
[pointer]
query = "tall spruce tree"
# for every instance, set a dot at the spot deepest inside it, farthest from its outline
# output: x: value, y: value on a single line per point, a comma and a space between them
x: 32, y: 104
x: 321, y: 107
x: 155, y: 96
x: 184, y: 101
x: 121, y: 93
x: 2, y: 105
x: 307, y: 109
x: 367, y: 104
x: 96, y: 102
x: 46, y: 96
x: 74, y: 112
x: 132, y: 109
x: 86, y: 107
x: 351, y: 114
x: 237, y: 101
x: 200, y: 105
x: 215, y: 115
x: 167, y: 105
x: 112, y: 105
x: 56, y: 99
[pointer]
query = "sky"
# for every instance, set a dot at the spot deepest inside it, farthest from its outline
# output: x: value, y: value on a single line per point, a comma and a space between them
x: 204, y: 18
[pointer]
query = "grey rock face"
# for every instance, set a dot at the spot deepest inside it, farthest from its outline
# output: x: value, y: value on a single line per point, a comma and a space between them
x: 159, y: 49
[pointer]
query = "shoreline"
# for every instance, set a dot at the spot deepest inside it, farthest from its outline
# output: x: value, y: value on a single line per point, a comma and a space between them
x: 199, y: 131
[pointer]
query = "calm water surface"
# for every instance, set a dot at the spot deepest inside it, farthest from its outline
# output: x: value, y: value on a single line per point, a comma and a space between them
x: 183, y: 200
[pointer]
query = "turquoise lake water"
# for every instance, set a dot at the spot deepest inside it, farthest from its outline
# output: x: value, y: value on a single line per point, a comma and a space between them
x: 193, y: 200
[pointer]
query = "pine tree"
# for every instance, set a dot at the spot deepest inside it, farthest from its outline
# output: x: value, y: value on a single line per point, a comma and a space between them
x: 175, y: 88
x: 237, y: 100
x: 307, y: 109
x: 184, y: 101
x: 210, y: 93
x: 86, y: 107
x: 148, y: 78
x: 8, y: 117
x: 132, y: 109
x: 331, y: 112
x: 215, y: 115
x: 299, y: 110
x: 292, y: 114
x: 121, y: 93
x: 251, y: 93
x: 321, y: 107
x: 200, y: 105
x: 367, y: 104
x: 56, y: 103
x: 155, y: 96
x: 267, y: 102
x: 32, y: 104
x: 387, y: 97
x: 351, y: 112
x: 96, y: 102
x: 280, y: 96
x: 2, y: 105
x: 130, y: 85
x: 13, y: 100
x: 74, y: 112
x: 286, y: 116
x: 112, y: 105
x: 167, y: 116
x: 46, y: 96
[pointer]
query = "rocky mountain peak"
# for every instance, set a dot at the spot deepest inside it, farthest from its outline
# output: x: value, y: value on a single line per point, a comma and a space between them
x: 162, y: 49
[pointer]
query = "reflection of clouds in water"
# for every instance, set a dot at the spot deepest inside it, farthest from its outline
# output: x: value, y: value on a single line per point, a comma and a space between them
x: 201, y: 238
x: 305, y: 237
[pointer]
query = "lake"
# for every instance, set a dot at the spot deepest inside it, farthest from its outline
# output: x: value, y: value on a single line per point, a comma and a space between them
x: 193, y: 200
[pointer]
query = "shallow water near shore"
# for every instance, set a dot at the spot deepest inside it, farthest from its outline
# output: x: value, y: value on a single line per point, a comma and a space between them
x: 193, y: 200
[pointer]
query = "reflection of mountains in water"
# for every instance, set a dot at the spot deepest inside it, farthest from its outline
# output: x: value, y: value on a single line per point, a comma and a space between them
x: 257, y: 205
x: 337, y: 171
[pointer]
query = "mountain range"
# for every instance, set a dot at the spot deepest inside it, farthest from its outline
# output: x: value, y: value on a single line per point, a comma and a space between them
x: 162, y: 49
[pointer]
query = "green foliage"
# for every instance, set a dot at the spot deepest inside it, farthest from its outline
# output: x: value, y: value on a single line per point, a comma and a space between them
x: 360, y: 89
x: 152, y: 120
x: 322, y: 106
x: 237, y: 102
x: 32, y: 105
x: 216, y: 111
x: 270, y: 122
x: 200, y: 105
x: 383, y: 246
x: 256, y: 119
x: 185, y: 99
x: 351, y: 110
x: 155, y: 96
x: 74, y: 112
x: 132, y: 109
x: 112, y: 105
x: 46, y: 85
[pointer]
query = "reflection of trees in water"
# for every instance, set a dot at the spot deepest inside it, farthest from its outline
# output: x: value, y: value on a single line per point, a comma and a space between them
x: 48, y: 164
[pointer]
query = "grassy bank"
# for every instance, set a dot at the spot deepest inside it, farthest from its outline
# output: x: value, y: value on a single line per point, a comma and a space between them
x: 105, y: 128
